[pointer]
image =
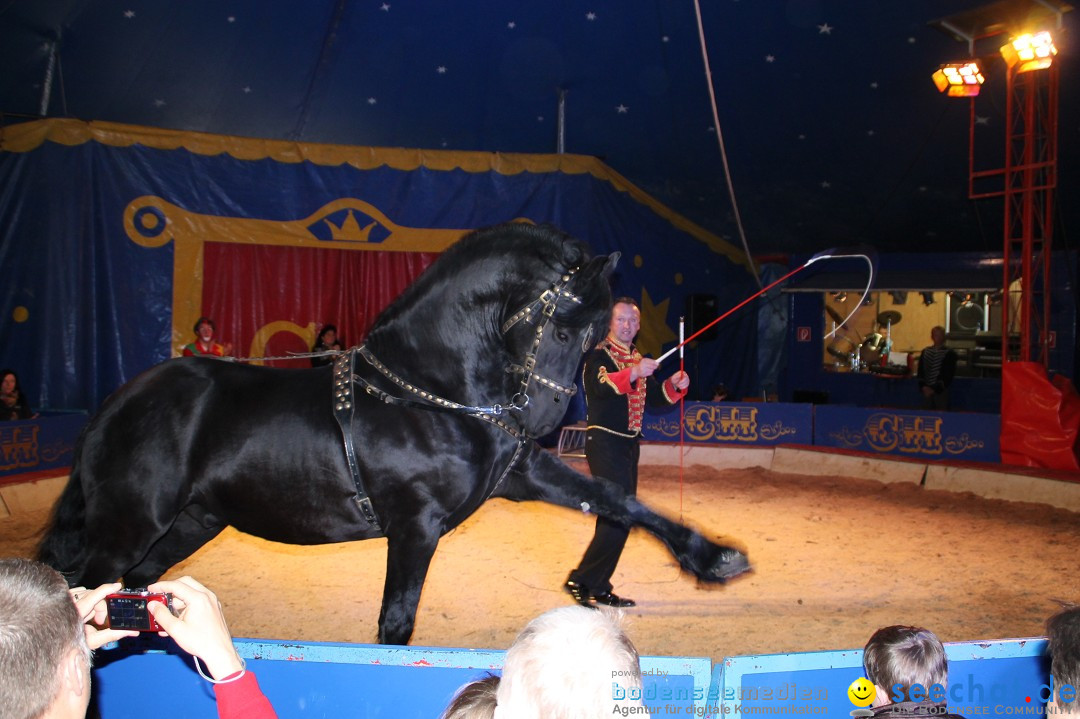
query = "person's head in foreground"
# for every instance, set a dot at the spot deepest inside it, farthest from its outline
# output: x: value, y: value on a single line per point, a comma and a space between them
x: 475, y: 700
x: 44, y: 657
x: 897, y: 658
x: 1063, y: 644
x: 570, y: 663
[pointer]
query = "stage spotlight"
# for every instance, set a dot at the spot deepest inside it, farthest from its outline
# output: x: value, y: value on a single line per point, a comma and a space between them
x: 927, y: 298
x: 1030, y: 52
x: 840, y: 296
x: 959, y: 79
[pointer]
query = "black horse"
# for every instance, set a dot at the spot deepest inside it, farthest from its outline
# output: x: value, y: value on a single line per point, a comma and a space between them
x: 404, y: 437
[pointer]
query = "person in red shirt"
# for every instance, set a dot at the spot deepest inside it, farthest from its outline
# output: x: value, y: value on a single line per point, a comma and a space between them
x: 204, y: 344
x: 50, y: 632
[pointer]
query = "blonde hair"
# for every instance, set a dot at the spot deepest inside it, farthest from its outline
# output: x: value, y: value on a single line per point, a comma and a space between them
x: 475, y: 700
x: 563, y: 666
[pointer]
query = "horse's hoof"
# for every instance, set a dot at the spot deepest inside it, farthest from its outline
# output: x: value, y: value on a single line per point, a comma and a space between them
x: 732, y: 563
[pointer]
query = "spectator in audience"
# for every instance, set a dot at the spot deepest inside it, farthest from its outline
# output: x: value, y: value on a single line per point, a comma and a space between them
x: 937, y: 367
x: 327, y: 341
x: 1063, y: 635
x: 47, y: 634
x: 204, y: 344
x: 565, y: 664
x: 475, y: 700
x: 13, y: 404
x: 908, y: 668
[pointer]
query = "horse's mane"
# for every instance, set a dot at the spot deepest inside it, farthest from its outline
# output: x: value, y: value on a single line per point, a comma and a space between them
x: 484, y: 263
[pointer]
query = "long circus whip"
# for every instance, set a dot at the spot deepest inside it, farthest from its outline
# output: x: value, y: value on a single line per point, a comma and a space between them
x: 682, y: 415
x: 826, y: 255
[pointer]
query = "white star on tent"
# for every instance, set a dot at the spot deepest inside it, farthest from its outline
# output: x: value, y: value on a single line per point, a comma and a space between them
x: 511, y: 24
x: 441, y: 69
x: 825, y: 184
x: 922, y: 188
x: 825, y: 29
x: 129, y: 14
x: 539, y: 118
x: 385, y: 7
x: 159, y: 103
x: 911, y: 41
x: 770, y: 58
x: 802, y: 136
x: 622, y: 109
x: 870, y: 133
x: 873, y: 86
x: 247, y: 89
x: 665, y: 38
x: 980, y: 120
x: 231, y: 18
x: 371, y: 101
x: 590, y: 16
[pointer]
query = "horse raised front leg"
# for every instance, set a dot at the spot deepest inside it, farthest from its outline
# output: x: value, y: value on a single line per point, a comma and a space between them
x: 408, y: 557
x: 546, y: 478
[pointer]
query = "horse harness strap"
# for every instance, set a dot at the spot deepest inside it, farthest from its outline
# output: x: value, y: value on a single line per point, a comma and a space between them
x: 543, y: 307
x: 343, y: 413
x: 430, y: 401
x: 540, y: 310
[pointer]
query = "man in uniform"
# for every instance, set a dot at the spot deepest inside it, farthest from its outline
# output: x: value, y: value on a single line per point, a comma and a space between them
x: 618, y: 383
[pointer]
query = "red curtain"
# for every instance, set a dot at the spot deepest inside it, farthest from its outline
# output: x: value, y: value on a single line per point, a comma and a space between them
x: 246, y: 288
x: 1039, y: 418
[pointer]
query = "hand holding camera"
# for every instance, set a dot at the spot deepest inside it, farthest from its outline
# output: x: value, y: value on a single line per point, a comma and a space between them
x: 93, y: 610
x: 199, y: 624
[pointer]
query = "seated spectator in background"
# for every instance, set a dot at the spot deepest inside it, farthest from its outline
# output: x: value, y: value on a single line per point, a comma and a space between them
x: 719, y: 393
x: 908, y: 668
x: 327, y: 341
x: 13, y: 404
x: 564, y: 665
x: 204, y: 344
x: 1063, y: 635
x: 475, y: 700
x: 47, y: 634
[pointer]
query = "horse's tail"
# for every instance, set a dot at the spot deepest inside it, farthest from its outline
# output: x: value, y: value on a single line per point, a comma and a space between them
x: 64, y: 545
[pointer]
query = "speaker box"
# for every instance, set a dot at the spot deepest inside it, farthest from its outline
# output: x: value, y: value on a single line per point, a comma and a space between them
x: 700, y: 311
x: 967, y: 314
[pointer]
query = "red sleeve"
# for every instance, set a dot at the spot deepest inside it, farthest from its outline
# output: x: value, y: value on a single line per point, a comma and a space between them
x: 242, y: 699
x: 618, y: 381
x: 187, y: 352
x: 672, y: 393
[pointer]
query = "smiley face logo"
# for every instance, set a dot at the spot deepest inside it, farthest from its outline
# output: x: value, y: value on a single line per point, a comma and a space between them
x: 861, y: 692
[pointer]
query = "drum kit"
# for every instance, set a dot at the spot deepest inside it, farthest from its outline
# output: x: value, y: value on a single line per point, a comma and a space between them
x: 869, y: 351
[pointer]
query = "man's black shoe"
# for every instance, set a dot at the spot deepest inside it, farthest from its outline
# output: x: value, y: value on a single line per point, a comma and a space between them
x: 613, y: 600
x: 578, y: 592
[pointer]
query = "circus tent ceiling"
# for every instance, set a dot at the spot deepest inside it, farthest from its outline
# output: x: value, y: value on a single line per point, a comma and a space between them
x: 831, y: 129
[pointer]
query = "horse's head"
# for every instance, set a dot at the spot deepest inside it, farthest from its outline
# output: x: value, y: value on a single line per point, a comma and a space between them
x: 499, y: 322
x: 551, y: 332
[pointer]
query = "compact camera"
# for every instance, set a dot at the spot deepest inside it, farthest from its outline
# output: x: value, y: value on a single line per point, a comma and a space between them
x: 128, y: 610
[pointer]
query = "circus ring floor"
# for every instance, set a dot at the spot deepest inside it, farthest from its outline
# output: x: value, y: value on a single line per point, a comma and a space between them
x: 835, y: 556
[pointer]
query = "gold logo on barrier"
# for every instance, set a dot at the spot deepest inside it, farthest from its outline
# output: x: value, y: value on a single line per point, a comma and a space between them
x: 729, y: 423
x: 18, y: 446
x: 905, y: 433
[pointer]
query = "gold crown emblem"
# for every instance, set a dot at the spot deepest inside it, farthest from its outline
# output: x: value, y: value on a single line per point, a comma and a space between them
x: 349, y: 230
